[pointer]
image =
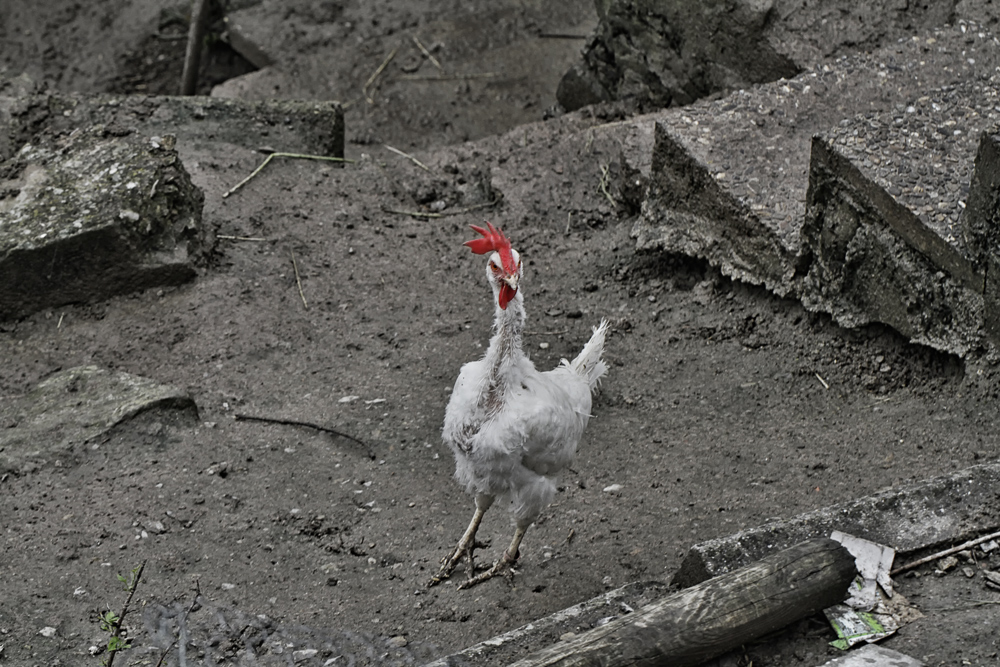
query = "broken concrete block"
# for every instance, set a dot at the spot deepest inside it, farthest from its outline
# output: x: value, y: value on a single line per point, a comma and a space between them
x: 282, y: 125
x: 72, y: 407
x: 887, y: 223
x: 730, y: 181
x: 92, y: 216
x: 672, y: 52
x: 908, y: 518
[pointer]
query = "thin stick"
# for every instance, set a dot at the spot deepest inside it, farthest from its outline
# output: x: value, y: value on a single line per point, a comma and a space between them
x: 376, y: 73
x: 451, y: 77
x: 239, y: 238
x: 427, y: 53
x: 61, y: 316
x: 457, y: 211
x: 300, y: 156
x: 408, y: 157
x: 295, y: 422
x: 975, y: 603
x: 298, y: 279
x: 117, y: 631
x: 946, y: 552
x: 821, y: 380
x: 192, y: 56
x: 545, y: 333
x: 604, y: 186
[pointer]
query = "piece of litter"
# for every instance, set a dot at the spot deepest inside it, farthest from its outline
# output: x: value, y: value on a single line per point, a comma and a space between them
x: 614, y: 488
x: 348, y: 399
x: 375, y: 400
x: 873, y: 562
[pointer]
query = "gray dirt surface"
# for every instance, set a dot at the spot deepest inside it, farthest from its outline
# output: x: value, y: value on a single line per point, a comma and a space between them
x: 273, y: 544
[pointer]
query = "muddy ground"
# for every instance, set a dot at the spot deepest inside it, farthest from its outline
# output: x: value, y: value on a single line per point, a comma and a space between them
x: 724, y: 406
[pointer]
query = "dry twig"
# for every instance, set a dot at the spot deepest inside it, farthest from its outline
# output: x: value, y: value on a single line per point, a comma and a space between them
x: 300, y: 156
x: 409, y: 157
x: 227, y: 237
x: 457, y: 211
x: 376, y: 73
x: 605, y: 176
x: 427, y: 54
x: 296, y: 422
x: 946, y: 552
x: 298, y: 279
x: 451, y: 77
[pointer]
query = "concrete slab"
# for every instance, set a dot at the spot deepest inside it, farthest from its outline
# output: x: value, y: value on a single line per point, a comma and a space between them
x: 909, y: 518
x: 50, y: 422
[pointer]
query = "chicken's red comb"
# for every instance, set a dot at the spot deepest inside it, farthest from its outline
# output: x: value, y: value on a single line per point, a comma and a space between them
x: 493, y: 241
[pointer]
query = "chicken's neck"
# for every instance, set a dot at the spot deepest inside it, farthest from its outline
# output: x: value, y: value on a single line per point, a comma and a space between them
x: 503, y: 355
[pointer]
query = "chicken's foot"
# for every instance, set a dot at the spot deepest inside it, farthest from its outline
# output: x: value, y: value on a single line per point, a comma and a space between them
x: 466, y: 545
x: 503, y: 566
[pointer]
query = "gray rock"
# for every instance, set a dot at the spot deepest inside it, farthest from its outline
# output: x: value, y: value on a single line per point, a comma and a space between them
x: 72, y: 407
x: 95, y: 215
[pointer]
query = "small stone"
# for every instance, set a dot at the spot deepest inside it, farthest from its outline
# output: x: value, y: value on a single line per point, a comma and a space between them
x: 992, y: 579
x: 303, y: 654
x: 614, y: 488
x: 543, y: 346
x: 399, y: 641
x: 947, y: 563
x: 968, y: 572
x: 566, y: 636
x: 47, y: 631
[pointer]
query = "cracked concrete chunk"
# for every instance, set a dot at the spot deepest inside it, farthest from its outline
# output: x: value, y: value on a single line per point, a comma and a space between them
x: 867, y: 221
x: 92, y: 216
x: 672, y: 52
x: 72, y: 407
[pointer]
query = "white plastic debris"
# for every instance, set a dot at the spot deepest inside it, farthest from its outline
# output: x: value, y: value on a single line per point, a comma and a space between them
x: 348, y: 399
x: 871, y: 611
x: 614, y: 488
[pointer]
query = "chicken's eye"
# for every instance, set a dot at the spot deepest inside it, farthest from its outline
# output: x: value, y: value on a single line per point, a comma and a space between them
x: 494, y: 268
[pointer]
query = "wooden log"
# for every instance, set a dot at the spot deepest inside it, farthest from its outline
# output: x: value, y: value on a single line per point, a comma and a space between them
x: 718, y: 615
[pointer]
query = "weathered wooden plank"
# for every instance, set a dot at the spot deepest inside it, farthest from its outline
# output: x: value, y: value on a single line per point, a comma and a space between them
x: 696, y: 624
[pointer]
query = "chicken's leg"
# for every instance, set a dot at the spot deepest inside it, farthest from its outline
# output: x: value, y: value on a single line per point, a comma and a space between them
x: 503, y: 565
x: 466, y: 545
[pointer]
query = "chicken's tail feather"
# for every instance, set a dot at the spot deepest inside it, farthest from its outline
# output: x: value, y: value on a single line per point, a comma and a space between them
x: 588, y: 363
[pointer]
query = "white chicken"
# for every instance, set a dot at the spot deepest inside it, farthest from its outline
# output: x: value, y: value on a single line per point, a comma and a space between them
x: 511, y: 427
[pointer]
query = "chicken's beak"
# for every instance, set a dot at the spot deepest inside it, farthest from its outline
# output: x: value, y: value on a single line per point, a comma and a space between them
x: 507, y: 291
